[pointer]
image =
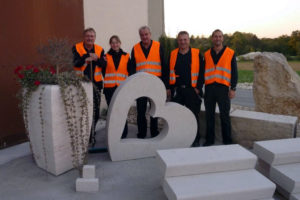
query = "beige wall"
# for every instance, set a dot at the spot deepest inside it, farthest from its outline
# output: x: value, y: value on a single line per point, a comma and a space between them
x: 123, y: 18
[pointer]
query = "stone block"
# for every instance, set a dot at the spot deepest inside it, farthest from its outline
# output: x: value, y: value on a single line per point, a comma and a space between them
x: 171, y: 136
x: 235, y: 185
x: 295, y: 197
x: 87, y: 184
x: 189, y: 161
x: 287, y: 177
x: 277, y: 152
x: 88, y: 171
x: 250, y: 126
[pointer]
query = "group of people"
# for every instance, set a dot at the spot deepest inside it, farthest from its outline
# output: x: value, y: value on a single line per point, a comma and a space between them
x: 184, y: 75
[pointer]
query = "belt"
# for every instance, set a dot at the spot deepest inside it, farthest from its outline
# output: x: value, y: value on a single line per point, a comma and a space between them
x: 184, y: 86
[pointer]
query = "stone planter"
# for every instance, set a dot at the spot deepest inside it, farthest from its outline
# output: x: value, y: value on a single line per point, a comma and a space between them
x: 48, y: 130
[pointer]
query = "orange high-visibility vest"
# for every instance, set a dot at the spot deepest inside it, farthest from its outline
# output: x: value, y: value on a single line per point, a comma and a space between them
x: 150, y: 65
x: 98, y: 70
x: 195, y: 65
x: 221, y: 72
x: 115, y: 77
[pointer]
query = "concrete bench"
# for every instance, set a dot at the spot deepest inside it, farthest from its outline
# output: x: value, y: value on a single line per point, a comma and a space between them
x: 189, y: 161
x: 234, y: 185
x: 276, y: 152
x: 287, y: 177
x: 251, y: 126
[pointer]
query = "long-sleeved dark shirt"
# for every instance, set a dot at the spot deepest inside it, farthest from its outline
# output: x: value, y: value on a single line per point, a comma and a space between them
x: 234, y: 73
x: 164, y: 68
x: 183, y: 70
x: 80, y: 60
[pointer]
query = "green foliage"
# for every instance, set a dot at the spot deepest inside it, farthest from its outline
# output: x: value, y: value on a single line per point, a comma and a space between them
x: 245, y: 76
x: 244, y: 43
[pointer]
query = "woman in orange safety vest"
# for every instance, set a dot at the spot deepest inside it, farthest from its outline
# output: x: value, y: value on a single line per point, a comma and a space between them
x: 117, y: 70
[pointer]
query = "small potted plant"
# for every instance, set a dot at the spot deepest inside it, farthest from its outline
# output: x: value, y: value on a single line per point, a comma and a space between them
x: 57, y: 109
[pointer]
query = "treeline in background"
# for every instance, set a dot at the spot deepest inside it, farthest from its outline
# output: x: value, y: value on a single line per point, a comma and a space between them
x: 244, y: 43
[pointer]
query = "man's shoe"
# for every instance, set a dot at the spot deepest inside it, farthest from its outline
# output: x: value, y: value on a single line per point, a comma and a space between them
x: 206, y: 144
x: 141, y: 136
x: 195, y: 144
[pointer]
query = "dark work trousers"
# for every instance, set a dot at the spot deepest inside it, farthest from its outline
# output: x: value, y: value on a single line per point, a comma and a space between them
x: 96, y: 112
x: 189, y: 98
x: 217, y: 93
x: 108, y: 92
x: 141, y: 104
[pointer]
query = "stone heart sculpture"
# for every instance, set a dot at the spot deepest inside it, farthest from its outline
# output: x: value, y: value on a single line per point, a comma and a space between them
x: 179, y: 130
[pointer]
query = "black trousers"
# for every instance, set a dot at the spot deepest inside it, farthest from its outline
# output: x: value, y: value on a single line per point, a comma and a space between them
x: 217, y: 94
x: 189, y: 98
x: 108, y: 92
x: 141, y: 104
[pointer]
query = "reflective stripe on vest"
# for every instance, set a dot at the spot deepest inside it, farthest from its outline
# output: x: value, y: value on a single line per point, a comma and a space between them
x: 115, y: 77
x: 152, y: 64
x: 80, y: 70
x: 195, y: 65
x: 221, y: 72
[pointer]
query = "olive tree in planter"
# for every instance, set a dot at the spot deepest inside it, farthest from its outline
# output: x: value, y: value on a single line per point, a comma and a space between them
x: 57, y: 109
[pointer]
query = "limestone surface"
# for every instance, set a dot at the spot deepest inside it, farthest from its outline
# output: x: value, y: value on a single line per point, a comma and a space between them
x: 235, y: 185
x: 51, y: 144
x: 176, y: 133
x: 88, y: 171
x: 87, y: 184
x: 189, y: 161
x: 287, y: 177
x: 277, y: 152
x: 276, y: 86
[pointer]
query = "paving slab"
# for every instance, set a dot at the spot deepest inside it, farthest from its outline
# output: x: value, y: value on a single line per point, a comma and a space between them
x: 276, y: 152
x: 237, y: 185
x: 287, y: 177
x: 188, y: 161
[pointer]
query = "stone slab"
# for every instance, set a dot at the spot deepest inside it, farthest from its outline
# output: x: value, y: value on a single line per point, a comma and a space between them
x: 88, y: 171
x: 251, y: 126
x: 87, y: 184
x: 237, y: 185
x: 287, y: 177
x: 295, y: 197
x: 171, y: 136
x: 276, y: 152
x: 189, y: 161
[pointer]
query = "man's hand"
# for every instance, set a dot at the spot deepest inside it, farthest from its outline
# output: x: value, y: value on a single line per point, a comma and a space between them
x: 93, y: 56
x: 197, y: 91
x: 231, y: 94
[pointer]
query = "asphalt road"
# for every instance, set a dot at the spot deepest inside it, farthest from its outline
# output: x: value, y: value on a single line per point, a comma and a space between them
x: 244, y: 97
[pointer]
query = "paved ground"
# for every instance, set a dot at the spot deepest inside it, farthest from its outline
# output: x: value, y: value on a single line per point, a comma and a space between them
x: 244, y: 97
x: 126, y: 180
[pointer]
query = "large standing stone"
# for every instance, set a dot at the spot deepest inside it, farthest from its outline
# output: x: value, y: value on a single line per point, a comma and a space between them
x: 276, y: 86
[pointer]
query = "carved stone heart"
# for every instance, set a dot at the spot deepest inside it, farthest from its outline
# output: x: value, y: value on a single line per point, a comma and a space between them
x: 179, y: 130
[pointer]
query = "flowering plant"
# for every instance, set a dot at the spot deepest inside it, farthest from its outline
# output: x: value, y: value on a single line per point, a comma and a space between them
x: 32, y: 76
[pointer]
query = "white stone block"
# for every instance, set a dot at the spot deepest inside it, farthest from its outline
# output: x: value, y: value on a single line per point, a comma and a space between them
x: 251, y: 126
x: 287, y: 177
x: 53, y: 152
x: 295, y: 197
x: 236, y: 185
x: 188, y: 161
x: 88, y: 171
x: 87, y: 184
x: 176, y: 133
x: 276, y: 152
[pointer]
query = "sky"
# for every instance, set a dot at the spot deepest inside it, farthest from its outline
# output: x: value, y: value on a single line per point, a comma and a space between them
x: 264, y: 18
